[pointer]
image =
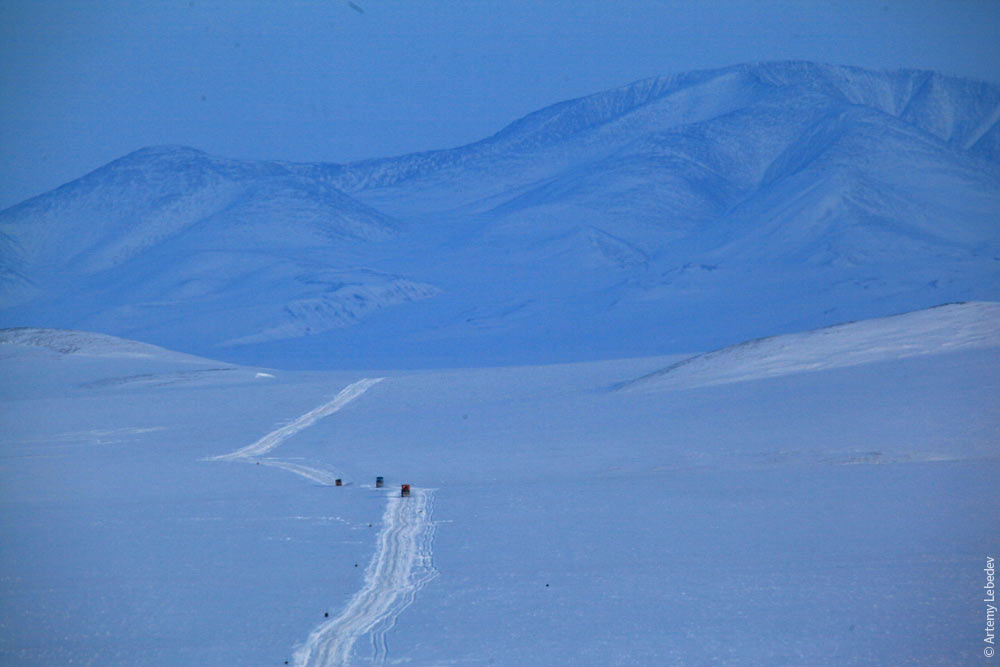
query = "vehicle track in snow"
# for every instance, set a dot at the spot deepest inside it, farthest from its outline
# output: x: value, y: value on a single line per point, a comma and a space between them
x: 318, y: 475
x: 400, y: 567
x: 252, y: 452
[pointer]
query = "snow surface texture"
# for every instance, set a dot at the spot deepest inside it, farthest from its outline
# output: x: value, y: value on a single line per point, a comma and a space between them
x: 773, y: 519
x: 676, y: 214
x: 947, y: 328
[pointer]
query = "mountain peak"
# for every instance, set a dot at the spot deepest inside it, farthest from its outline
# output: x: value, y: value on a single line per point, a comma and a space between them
x: 165, y: 151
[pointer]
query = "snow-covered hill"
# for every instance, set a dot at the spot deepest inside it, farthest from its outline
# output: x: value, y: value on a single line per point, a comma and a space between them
x: 674, y: 214
x: 67, y: 342
x: 57, y: 362
x: 949, y: 328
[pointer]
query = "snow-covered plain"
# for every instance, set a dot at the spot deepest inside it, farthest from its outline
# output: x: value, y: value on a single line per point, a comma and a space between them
x: 791, y: 512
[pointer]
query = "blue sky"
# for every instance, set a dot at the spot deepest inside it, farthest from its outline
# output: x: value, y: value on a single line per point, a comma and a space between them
x: 85, y: 82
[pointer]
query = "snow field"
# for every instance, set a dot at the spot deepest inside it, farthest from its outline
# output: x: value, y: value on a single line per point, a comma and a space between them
x: 837, y: 516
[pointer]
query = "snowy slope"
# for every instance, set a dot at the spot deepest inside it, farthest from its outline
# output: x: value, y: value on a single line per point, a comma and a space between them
x: 757, y: 522
x: 950, y: 328
x: 56, y: 361
x: 86, y: 344
x: 228, y: 247
x: 674, y: 214
x: 953, y: 110
x: 153, y: 195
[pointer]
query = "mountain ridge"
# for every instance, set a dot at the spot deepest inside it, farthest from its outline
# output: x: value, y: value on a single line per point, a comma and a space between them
x: 894, y: 97
x: 741, y: 202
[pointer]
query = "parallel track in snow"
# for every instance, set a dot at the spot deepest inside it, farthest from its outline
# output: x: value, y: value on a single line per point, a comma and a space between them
x: 277, y: 436
x: 252, y: 452
x: 400, y: 567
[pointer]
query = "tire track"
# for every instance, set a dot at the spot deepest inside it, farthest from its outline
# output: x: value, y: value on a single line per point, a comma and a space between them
x: 277, y: 436
x: 400, y: 567
x: 251, y: 452
x: 323, y: 477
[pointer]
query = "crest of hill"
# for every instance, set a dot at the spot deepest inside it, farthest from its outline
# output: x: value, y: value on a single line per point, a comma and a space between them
x: 173, y: 227
x: 89, y: 344
x: 947, y: 328
x: 960, y: 112
x: 176, y: 194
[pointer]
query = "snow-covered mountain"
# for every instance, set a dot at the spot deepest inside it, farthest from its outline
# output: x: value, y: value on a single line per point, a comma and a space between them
x: 171, y: 237
x: 673, y: 214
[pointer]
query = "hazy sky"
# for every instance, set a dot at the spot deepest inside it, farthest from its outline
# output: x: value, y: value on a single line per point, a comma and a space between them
x: 84, y: 82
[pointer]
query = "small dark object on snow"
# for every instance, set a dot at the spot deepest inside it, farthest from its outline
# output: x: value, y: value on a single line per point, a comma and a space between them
x: 326, y: 614
x: 379, y: 482
x: 546, y: 585
x: 338, y: 482
x: 405, y: 491
x: 355, y: 565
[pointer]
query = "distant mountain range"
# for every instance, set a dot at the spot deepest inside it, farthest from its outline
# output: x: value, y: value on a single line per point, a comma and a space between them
x: 680, y: 213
